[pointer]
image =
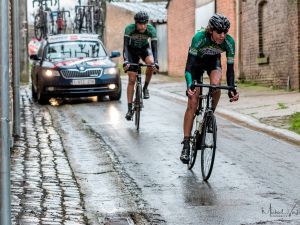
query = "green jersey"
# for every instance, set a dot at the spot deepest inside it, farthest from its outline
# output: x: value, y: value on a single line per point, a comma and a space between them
x: 202, y: 46
x: 137, y: 39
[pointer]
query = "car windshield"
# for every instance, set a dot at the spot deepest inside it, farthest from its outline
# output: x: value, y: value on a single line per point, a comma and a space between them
x: 78, y: 49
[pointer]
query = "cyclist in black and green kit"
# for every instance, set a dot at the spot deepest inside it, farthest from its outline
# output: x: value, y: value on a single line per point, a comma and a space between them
x: 205, y: 55
x: 136, y: 47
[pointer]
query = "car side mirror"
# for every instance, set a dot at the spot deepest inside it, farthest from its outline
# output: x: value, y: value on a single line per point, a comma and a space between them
x: 35, y: 57
x: 115, y: 54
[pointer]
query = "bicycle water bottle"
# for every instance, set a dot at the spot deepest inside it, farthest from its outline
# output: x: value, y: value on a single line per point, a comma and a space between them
x: 199, y: 121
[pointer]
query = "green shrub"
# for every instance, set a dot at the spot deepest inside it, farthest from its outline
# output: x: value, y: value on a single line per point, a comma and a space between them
x: 295, y: 122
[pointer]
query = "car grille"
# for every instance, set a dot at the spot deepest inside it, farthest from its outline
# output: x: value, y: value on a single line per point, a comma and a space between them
x: 68, y: 74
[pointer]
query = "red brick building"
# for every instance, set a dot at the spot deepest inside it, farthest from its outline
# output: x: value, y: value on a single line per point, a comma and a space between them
x: 120, y: 14
x: 182, y: 27
x: 266, y: 35
x: 270, y: 42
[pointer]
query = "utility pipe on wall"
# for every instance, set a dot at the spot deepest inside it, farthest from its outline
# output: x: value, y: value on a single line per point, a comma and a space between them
x: 5, y: 210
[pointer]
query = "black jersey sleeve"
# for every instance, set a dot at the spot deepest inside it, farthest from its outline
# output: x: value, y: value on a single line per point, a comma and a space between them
x: 188, y: 69
x: 125, y: 48
x: 154, y: 49
x: 230, y: 74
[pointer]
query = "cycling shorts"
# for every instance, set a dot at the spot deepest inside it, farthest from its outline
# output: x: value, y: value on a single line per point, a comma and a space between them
x: 208, y: 64
x: 135, y: 54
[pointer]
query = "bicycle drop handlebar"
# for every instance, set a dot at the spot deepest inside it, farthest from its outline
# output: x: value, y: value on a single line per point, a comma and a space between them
x: 44, y: 2
x: 139, y: 65
x: 194, y: 85
x: 142, y: 64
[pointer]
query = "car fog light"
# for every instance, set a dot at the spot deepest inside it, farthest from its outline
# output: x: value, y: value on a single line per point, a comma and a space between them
x: 50, y: 88
x: 111, y: 86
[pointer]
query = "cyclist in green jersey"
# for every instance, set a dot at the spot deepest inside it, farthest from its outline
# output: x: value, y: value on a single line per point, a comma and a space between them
x: 205, y: 55
x: 136, y: 47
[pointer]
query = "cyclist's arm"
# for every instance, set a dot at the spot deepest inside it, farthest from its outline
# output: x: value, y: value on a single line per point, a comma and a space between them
x: 154, y: 49
x: 192, y: 56
x: 125, y: 48
x: 153, y: 36
x: 230, y: 52
x: 188, y: 69
x: 230, y: 74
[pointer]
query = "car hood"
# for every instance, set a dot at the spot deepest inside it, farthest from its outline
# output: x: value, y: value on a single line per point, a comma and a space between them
x: 80, y: 62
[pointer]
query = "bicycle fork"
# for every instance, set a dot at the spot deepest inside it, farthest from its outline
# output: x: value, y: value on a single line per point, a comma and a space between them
x: 138, y: 101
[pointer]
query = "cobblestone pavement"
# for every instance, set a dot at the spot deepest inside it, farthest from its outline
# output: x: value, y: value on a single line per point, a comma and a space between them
x: 43, y: 187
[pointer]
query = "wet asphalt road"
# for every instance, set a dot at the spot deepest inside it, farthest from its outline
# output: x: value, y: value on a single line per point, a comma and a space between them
x: 126, y: 175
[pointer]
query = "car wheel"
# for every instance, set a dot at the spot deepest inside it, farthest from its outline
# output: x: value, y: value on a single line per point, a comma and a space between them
x: 33, y: 93
x: 116, y: 96
x: 42, y: 99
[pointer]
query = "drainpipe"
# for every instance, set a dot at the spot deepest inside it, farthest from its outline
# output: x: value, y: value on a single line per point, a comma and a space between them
x: 5, y: 210
x: 238, y: 32
x: 16, y: 68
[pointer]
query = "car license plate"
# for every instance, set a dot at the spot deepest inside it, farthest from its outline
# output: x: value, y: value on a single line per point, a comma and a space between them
x: 83, y: 82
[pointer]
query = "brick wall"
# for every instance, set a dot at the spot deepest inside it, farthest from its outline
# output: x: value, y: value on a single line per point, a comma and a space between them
x: 116, y: 21
x: 181, y: 29
x: 228, y: 9
x: 279, y: 38
x: 178, y: 25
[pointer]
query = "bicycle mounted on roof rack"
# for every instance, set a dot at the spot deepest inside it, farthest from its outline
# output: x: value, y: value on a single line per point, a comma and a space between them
x: 41, y: 28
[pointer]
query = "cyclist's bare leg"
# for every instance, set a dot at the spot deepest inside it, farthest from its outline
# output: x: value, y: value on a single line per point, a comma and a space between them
x: 215, y: 79
x: 188, y: 125
x: 130, y: 90
x: 190, y: 112
x: 149, y: 70
x: 130, y: 86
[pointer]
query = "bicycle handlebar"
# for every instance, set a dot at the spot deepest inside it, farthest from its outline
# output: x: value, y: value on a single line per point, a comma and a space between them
x: 141, y: 64
x: 194, y: 85
x: 44, y: 2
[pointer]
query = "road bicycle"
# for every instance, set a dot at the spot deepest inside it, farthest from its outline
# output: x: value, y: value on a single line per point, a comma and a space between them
x: 83, y: 18
x: 138, y: 93
x: 98, y: 17
x: 41, y: 18
x: 204, y: 136
x: 59, y: 21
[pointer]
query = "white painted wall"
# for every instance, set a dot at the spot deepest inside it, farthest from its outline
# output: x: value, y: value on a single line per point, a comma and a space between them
x: 203, y: 14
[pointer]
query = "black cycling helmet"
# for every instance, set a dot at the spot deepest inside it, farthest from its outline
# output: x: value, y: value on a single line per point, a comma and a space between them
x: 141, y: 17
x: 219, y: 23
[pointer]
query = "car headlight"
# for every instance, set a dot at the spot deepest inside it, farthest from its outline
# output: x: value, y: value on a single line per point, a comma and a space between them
x: 111, y: 71
x: 50, y: 73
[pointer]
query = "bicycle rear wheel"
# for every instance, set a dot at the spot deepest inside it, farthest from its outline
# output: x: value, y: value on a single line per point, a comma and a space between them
x: 208, y: 146
x: 137, y: 103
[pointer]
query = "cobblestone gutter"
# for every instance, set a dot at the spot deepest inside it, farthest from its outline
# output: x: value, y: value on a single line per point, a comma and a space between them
x: 43, y: 187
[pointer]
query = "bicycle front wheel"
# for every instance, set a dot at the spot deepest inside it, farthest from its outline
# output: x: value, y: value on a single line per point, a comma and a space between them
x: 137, y: 103
x: 208, y: 146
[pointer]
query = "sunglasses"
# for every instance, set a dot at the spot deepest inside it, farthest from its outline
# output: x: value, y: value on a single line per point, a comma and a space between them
x: 221, y: 31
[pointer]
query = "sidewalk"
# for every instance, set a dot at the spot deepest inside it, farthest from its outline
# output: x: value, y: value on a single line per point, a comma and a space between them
x: 259, y: 108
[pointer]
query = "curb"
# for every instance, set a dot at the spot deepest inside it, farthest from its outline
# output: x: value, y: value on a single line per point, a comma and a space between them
x: 243, y: 120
